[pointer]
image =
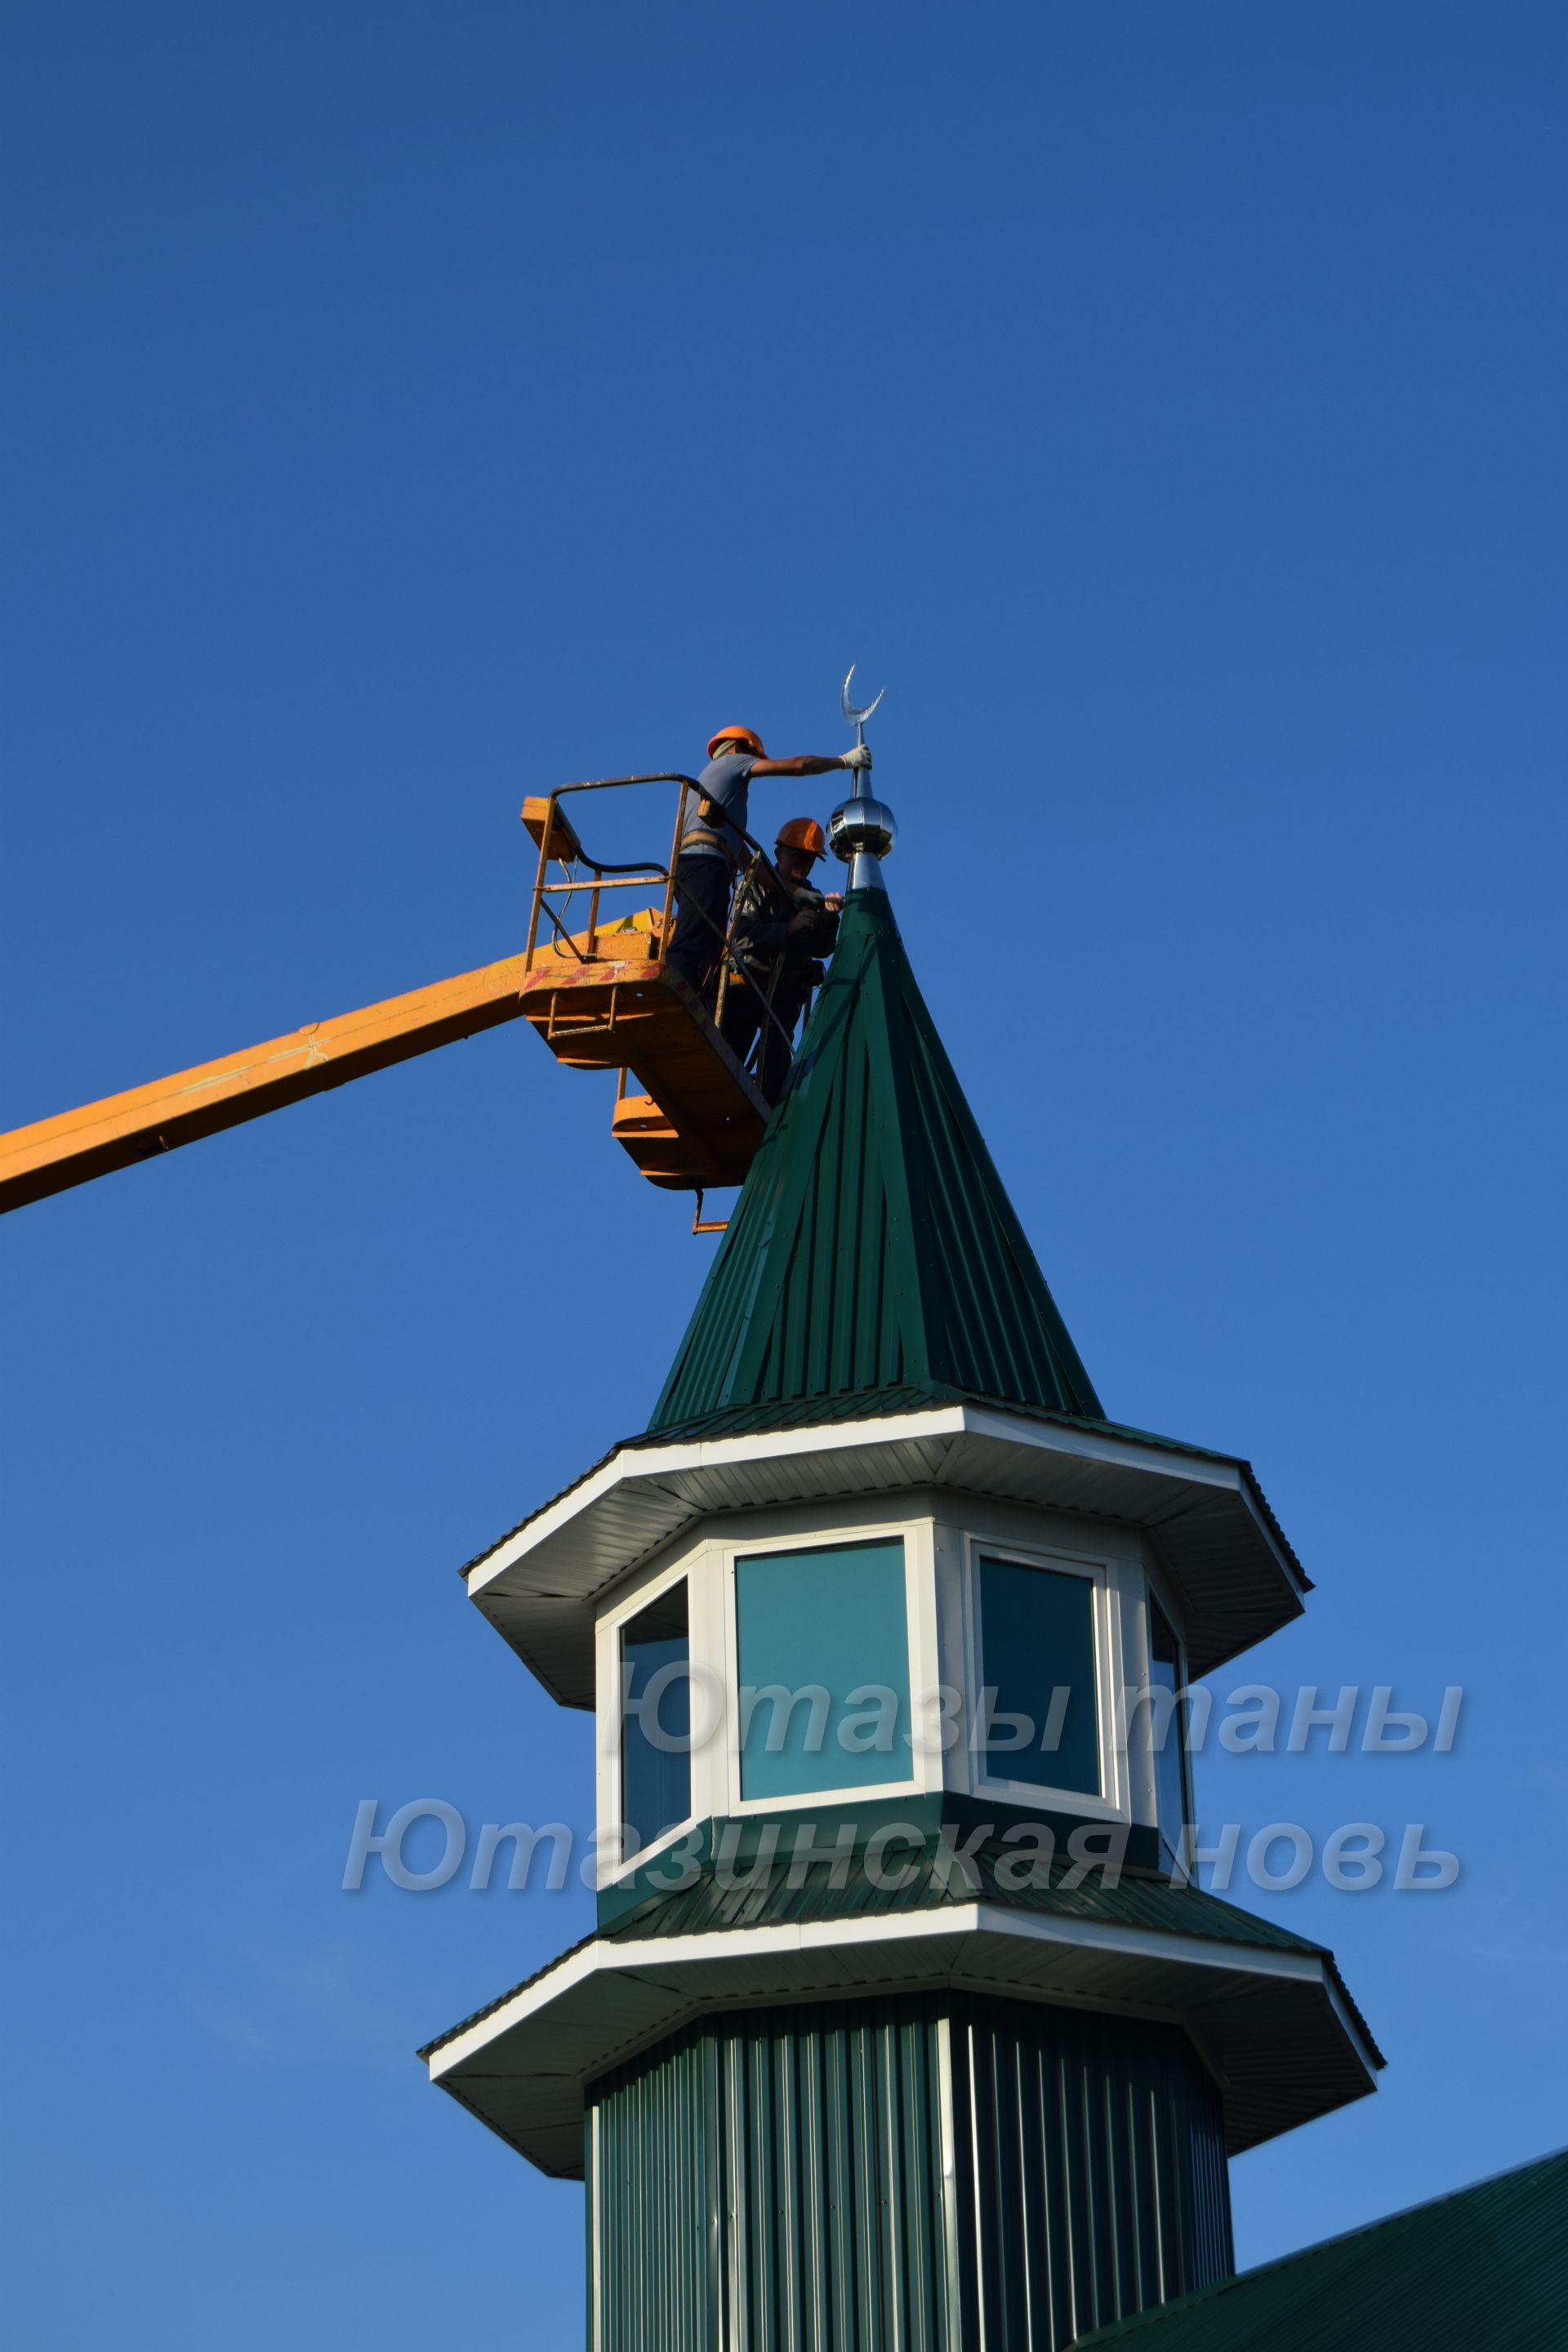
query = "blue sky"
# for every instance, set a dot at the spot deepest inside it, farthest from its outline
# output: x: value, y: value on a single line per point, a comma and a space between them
x: 405, y: 409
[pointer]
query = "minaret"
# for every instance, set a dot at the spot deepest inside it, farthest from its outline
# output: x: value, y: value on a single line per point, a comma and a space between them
x: 898, y: 2031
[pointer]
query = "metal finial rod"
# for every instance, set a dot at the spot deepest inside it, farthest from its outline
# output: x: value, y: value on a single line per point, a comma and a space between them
x: 861, y: 830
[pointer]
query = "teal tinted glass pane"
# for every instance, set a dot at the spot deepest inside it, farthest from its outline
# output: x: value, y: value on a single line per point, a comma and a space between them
x: 1036, y: 1637
x: 822, y: 1648
x: 1170, y: 1753
x: 656, y: 1726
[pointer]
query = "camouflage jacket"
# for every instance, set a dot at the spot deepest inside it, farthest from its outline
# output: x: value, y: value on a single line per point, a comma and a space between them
x: 767, y: 951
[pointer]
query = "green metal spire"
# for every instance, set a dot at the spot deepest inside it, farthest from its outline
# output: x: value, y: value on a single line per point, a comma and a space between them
x: 874, y: 1260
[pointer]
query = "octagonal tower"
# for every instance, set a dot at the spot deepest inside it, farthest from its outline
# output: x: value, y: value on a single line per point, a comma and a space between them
x: 901, y: 2028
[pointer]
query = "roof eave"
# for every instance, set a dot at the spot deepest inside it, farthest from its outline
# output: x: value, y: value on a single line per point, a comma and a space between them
x: 524, y: 2065
x: 1219, y: 1541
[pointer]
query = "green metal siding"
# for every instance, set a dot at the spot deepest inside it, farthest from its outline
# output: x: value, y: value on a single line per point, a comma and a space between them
x: 873, y: 1251
x: 1094, y: 2151
x: 916, y: 2175
x: 774, y: 2181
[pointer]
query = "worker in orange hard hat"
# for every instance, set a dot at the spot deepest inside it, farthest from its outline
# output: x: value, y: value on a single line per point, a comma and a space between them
x: 714, y: 844
x: 780, y: 930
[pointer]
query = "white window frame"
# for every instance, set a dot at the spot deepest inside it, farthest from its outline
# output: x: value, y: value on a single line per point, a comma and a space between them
x: 610, y: 1760
x: 918, y: 1538
x: 1101, y: 1572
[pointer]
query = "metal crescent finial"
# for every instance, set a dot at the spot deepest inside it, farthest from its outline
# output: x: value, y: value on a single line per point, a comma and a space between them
x: 857, y: 718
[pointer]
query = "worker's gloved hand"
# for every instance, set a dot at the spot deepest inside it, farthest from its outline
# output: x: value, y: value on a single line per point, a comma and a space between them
x: 860, y: 757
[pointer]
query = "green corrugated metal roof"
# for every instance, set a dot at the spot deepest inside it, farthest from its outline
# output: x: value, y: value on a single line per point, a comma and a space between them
x: 873, y: 1249
x: 1485, y: 2267
x: 1135, y: 1900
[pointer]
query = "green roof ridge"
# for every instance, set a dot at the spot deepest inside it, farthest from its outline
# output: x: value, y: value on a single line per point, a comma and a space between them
x: 873, y: 1248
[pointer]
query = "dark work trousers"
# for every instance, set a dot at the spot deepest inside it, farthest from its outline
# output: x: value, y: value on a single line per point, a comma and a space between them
x: 701, y: 913
x: 743, y: 1016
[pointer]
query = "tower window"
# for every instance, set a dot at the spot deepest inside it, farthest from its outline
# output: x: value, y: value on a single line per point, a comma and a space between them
x: 1168, y: 1728
x: 656, y: 1717
x: 1039, y: 1692
x: 822, y: 1657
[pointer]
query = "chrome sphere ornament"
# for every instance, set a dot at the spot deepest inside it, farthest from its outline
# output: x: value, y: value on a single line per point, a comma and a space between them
x: 861, y: 828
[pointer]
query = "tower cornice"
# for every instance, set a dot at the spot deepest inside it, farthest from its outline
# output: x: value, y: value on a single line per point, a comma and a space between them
x: 1268, y: 2012
x: 1219, y: 1541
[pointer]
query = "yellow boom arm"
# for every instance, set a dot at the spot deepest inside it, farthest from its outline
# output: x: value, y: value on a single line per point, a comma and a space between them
x: 76, y: 1144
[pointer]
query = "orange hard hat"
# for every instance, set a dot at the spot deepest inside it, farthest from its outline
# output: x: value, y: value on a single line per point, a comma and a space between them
x: 746, y: 735
x: 803, y: 832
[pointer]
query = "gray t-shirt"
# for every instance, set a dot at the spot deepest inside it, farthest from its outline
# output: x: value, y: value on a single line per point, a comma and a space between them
x: 723, y: 781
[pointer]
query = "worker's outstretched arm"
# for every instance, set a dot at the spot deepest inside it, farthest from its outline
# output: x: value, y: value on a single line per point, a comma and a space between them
x: 806, y: 764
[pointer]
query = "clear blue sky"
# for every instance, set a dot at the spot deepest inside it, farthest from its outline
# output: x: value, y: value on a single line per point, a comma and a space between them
x: 405, y: 408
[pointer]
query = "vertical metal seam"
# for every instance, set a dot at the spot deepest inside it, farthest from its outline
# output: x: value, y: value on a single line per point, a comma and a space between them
x: 1074, y: 2314
x: 1162, y: 2287
x: 1027, y: 2266
x: 595, y: 2201
x: 972, y: 2071
x: 948, y: 2127
x: 897, y: 2316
